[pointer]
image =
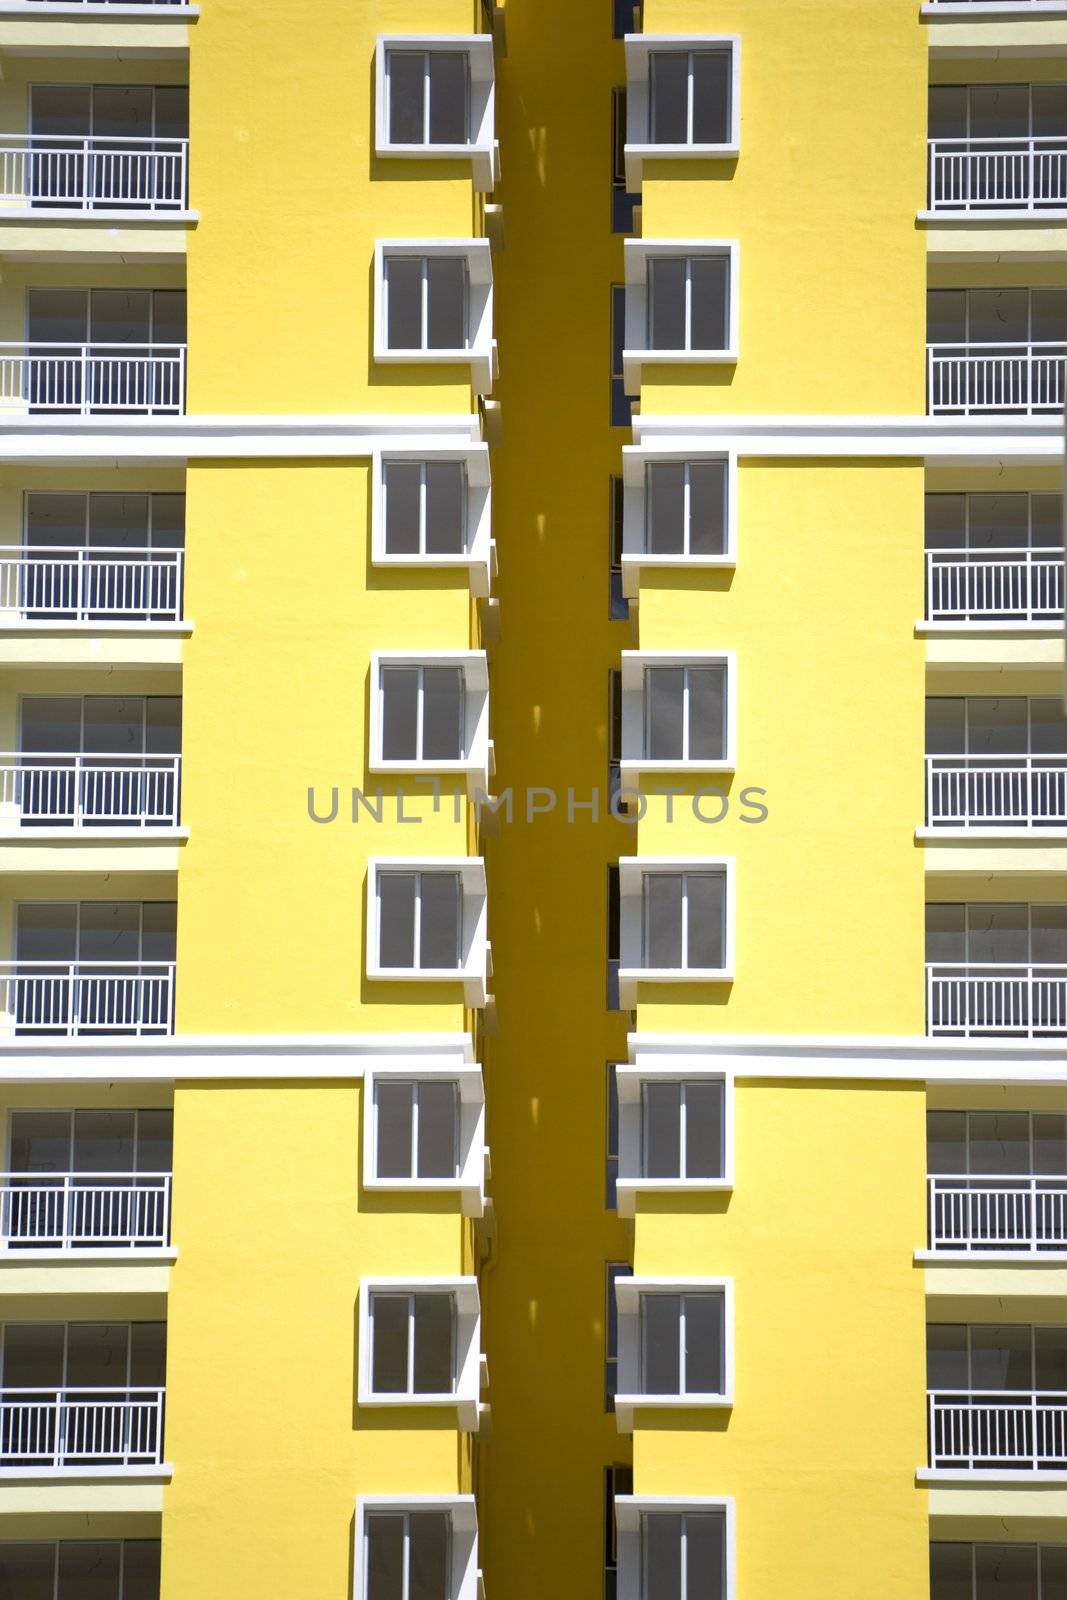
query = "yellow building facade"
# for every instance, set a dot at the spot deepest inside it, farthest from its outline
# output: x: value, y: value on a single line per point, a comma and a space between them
x: 531, y: 599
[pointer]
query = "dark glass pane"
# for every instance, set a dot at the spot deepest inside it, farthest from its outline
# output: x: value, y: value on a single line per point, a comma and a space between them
x: 447, y: 309
x: 662, y: 1135
x: 663, y: 919
x: 946, y: 726
x: 172, y: 112
x: 98, y: 1355
x: 438, y: 1130
x: 1000, y: 1142
x: 449, y: 117
x: 391, y: 1324
x: 443, y: 714
x: 946, y: 1142
x: 947, y: 117
x: 441, y: 906
x: 57, y: 316
x: 1000, y: 110
x: 1001, y: 1357
x: 396, y: 915
x: 103, y: 1141
x: 946, y: 316
x: 89, y: 1571
x: 950, y: 1571
x: 707, y: 713
x: 40, y: 1141
x: 704, y: 1130
x: 46, y: 932
x: 996, y: 727
x: 122, y: 111
x: 27, y: 1571
x: 430, y: 1556
x: 120, y: 520
x: 665, y: 508
x: 1005, y: 1572
x: 705, y: 1553
x: 1054, y: 1572
x: 660, y: 1344
x: 385, y: 1557
x: 666, y: 303
x: 998, y: 316
x: 403, y: 500
x: 1050, y: 1143
x: 148, y: 1355
x: 400, y: 713
x: 664, y: 702
x: 163, y: 725
x: 63, y: 110
x: 661, y: 1556
x: 140, y: 1570
x: 1046, y: 511
x: 1050, y: 1359
x: 707, y: 508
x: 996, y: 933
x: 706, y: 893
x: 712, y: 87
x: 168, y: 533
x: 710, y: 289
x: 445, y: 500
x: 155, y: 1141
x: 433, y: 1344
x: 998, y: 521
x: 704, y: 1351
x: 55, y: 519
x: 407, y: 70
x: 120, y: 316
x: 668, y: 72
x: 33, y: 1355
x: 403, y: 300
x: 1048, y: 934
x: 395, y: 1107
x: 946, y: 1356
x: 946, y: 521
x: 50, y: 724
x: 1048, y: 314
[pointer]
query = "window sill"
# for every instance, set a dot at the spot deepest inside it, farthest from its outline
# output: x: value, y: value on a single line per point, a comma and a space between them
x: 471, y: 1194
x: 630, y: 977
x: 481, y: 359
x: 475, y: 982
x: 484, y: 158
x: 627, y: 1404
x: 627, y: 1190
x: 467, y: 1408
x: 476, y: 771
x: 634, y: 360
x: 631, y: 768
x: 635, y: 156
x: 632, y: 564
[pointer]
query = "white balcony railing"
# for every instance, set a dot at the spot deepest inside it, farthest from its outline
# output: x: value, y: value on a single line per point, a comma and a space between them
x: 81, y: 1210
x: 86, y: 378
x: 75, y: 997
x: 70, y: 582
x: 986, y: 1213
x: 974, y: 998
x: 90, y: 790
x: 973, y: 379
x: 1009, y: 791
x: 997, y: 174
x: 81, y: 1427
x: 986, y: 1429
x: 90, y: 174
x: 998, y: 585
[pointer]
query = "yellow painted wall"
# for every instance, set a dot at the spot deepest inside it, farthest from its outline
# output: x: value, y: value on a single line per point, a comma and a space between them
x: 828, y: 1424
x: 268, y: 1445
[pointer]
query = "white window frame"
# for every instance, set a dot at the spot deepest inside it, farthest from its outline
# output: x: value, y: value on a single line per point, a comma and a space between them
x: 467, y: 1359
x: 629, y: 1510
x: 476, y: 761
x: 473, y: 971
x: 630, y: 1398
x: 636, y: 460
x: 636, y: 353
x: 478, y: 558
x: 473, y: 1155
x: 462, y: 1510
x: 632, y: 872
x: 634, y: 761
x: 479, y: 352
x: 640, y: 47
x: 481, y: 147
x: 630, y: 1083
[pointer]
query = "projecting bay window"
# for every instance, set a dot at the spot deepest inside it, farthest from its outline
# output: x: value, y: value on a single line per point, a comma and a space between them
x: 674, y: 1549
x: 425, y: 1130
x: 683, y: 99
x: 419, y: 1344
x: 434, y: 512
x: 677, y: 922
x: 435, y: 100
x: 678, y: 712
x: 430, y: 713
x: 681, y: 304
x: 675, y: 1132
x: 416, y: 1547
x: 997, y: 1181
x: 675, y: 1344
x: 677, y: 512
x: 80, y: 1569
x: 434, y: 303
x: 426, y: 920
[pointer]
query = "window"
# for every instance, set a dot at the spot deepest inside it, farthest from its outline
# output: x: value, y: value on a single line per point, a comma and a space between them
x: 135, y: 317
x: 434, y: 303
x: 71, y: 1569
x: 104, y: 521
x: 685, y: 713
x: 611, y: 1140
x: 429, y: 96
x: 419, y: 1344
x: 625, y: 17
x: 997, y: 1571
x: 1012, y: 725
x: 417, y: 1128
x: 675, y: 1131
x: 996, y: 1143
x: 622, y: 405
x: 435, y: 99
x: 996, y: 934
x: 685, y: 508
x: 676, y: 921
x: 614, y: 932
x: 1006, y: 1357
x: 683, y: 99
x: 617, y: 1481
x: 996, y: 316
x: 106, y: 933
x: 683, y: 1557
x: 420, y: 919
x: 678, y: 1550
x: 84, y: 1355
x: 687, y: 300
x: 622, y: 202
x: 613, y: 1272
x: 425, y: 510
x: 426, y: 919
x: 413, y: 1343
x: 683, y: 919
x: 416, y: 1547
x: 681, y: 304
x: 683, y: 1129
x: 988, y: 523
x: 618, y: 605
x: 689, y: 100
x: 423, y: 713
x: 424, y: 1128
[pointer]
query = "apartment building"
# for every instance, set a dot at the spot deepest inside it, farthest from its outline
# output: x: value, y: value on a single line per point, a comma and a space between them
x: 705, y: 857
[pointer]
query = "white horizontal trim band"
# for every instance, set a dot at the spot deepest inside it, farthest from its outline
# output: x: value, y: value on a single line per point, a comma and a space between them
x: 930, y: 438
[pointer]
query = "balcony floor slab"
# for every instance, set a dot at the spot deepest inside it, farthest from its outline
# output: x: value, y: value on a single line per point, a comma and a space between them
x: 70, y: 850
x: 962, y: 855
x: 89, y: 237
x: 995, y: 235
x: 62, y: 1273
x: 37, y: 644
x: 57, y: 1496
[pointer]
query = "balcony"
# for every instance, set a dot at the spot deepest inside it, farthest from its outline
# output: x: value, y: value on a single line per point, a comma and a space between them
x: 979, y: 379
x: 84, y: 1210
x: 93, y: 174
x: 975, y: 1000
x: 1007, y: 791
x: 985, y: 1429
x: 998, y: 585
x: 997, y: 1213
x: 90, y: 791
x: 997, y: 174
x: 66, y: 1428
x: 73, y: 583
x: 88, y: 379
x: 73, y: 998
